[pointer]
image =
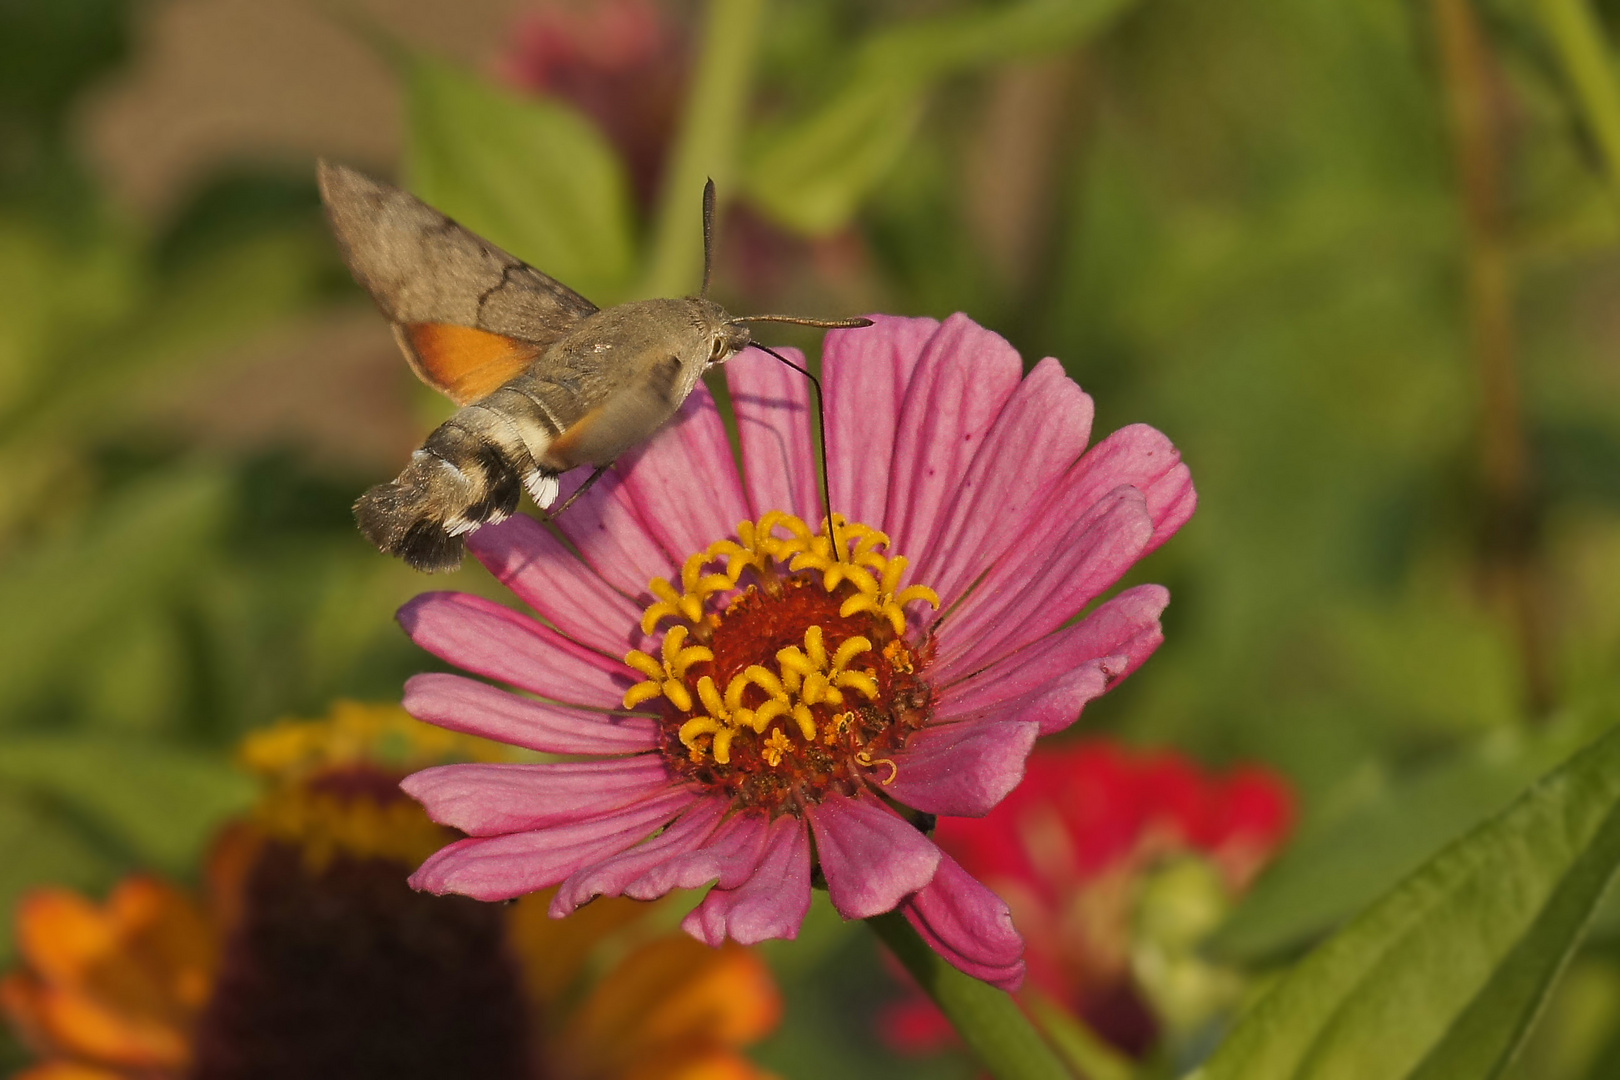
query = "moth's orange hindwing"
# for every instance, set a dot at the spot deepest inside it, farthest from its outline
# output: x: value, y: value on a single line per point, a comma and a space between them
x: 461, y: 362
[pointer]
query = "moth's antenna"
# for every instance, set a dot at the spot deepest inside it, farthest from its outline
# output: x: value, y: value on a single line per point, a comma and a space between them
x: 708, y: 235
x: 825, y: 324
x: 821, y: 433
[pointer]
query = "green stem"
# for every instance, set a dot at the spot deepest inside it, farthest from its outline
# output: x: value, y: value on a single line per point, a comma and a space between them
x: 1089, y: 1055
x: 1578, y: 40
x: 988, y: 1020
x: 706, y: 147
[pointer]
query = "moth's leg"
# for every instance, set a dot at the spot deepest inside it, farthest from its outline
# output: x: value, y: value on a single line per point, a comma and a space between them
x: 583, y: 488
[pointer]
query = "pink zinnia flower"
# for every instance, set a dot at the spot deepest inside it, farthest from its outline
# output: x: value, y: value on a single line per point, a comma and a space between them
x: 774, y: 693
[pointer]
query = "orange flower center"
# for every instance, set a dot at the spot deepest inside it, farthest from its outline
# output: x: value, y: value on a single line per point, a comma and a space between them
x: 787, y: 674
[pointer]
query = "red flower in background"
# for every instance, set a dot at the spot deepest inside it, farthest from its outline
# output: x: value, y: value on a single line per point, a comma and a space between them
x: 620, y: 62
x: 1073, y: 850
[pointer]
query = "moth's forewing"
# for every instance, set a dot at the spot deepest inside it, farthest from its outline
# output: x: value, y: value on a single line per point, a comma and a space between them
x: 626, y: 418
x: 430, y: 277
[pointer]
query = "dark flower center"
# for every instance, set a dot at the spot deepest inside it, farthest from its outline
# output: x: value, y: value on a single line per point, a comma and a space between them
x: 795, y: 683
x: 343, y: 970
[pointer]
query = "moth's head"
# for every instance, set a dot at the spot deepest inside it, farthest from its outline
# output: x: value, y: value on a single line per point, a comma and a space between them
x: 727, y: 337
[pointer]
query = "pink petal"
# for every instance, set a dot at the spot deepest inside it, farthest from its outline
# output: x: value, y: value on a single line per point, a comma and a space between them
x: 501, y: 867
x: 1142, y: 457
x: 865, y: 373
x: 772, y: 405
x: 729, y: 857
x: 1037, y: 438
x: 609, y: 877
x: 968, y: 925
x: 964, y: 379
x: 773, y: 901
x: 608, y: 532
x: 488, y: 639
x: 961, y: 769
x: 1047, y: 683
x: 1038, y: 588
x: 476, y: 708
x: 495, y: 799
x: 528, y: 559
x: 684, y: 483
x: 871, y: 856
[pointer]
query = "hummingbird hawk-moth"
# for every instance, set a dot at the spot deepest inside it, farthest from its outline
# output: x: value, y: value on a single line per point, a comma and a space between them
x: 546, y: 380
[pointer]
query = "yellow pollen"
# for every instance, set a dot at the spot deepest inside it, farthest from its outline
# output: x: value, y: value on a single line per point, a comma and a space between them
x: 776, y: 746
x: 838, y: 727
x: 899, y: 657
x: 806, y: 676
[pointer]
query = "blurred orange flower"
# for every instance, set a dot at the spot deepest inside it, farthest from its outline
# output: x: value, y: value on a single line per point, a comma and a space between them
x: 310, y: 956
x: 119, y: 984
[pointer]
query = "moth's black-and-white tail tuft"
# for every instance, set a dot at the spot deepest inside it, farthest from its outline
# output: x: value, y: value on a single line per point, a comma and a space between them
x: 454, y: 484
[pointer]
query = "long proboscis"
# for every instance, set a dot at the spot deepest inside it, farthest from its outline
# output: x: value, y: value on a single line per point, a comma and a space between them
x: 821, y: 428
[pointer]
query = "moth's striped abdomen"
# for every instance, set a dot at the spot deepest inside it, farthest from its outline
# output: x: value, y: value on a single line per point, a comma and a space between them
x: 471, y: 471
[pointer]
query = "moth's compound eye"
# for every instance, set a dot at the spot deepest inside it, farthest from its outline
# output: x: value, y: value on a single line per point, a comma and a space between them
x: 730, y: 340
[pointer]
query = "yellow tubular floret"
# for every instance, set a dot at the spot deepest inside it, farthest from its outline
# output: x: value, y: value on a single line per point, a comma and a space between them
x: 765, y: 679
x: 656, y: 613
x: 666, y: 677
x: 641, y: 693
x: 917, y: 592
x: 892, y: 572
x: 678, y: 694
x: 770, y: 711
x: 848, y: 651
x: 859, y: 681
x: 698, y: 725
x: 815, y: 647
x: 792, y: 659
x: 644, y: 664
x: 806, y: 722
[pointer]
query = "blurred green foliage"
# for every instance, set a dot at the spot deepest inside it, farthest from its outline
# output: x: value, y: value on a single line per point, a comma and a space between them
x: 556, y: 191
x: 1442, y: 977
x: 1243, y: 223
x: 159, y: 598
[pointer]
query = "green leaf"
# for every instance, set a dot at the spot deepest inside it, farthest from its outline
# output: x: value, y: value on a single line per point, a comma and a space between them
x: 1440, y: 979
x: 160, y: 803
x: 1329, y: 875
x: 1578, y: 39
x: 811, y: 175
x: 532, y: 175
